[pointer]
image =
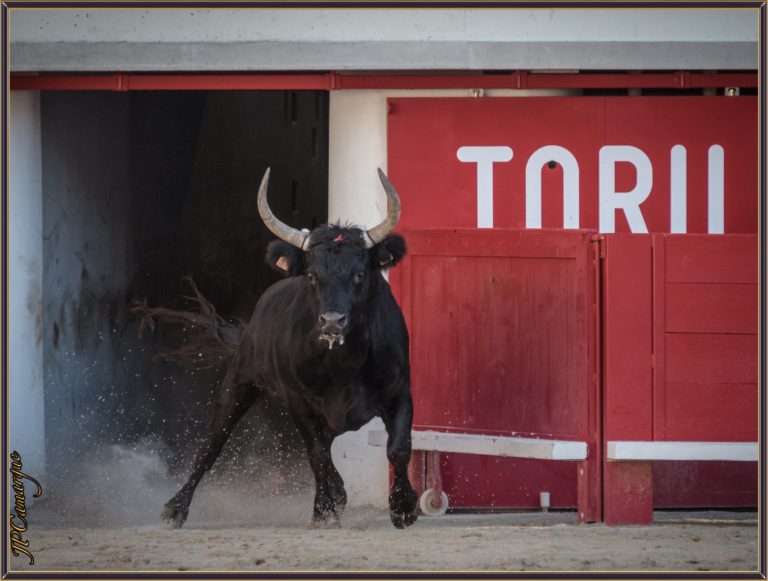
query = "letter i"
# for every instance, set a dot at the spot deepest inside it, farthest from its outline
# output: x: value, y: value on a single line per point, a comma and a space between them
x: 716, y: 187
x: 678, y: 186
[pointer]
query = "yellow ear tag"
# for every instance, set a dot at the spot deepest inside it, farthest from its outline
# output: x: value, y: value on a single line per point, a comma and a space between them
x: 282, y: 263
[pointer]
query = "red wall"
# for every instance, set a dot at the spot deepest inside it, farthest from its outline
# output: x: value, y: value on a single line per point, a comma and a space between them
x: 679, y: 326
x: 440, y: 191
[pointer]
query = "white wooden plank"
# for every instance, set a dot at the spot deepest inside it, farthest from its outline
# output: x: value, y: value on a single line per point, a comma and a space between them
x: 733, y: 451
x: 504, y: 446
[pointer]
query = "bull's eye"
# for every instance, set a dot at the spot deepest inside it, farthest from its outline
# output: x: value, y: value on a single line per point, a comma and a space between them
x: 311, y: 278
x: 359, y: 277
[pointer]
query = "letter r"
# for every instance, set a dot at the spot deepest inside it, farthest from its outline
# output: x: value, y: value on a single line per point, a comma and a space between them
x: 611, y: 200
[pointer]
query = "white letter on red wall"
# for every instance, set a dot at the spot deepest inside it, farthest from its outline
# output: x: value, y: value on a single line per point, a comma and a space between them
x: 629, y: 202
x: 533, y: 169
x: 484, y: 157
x: 716, y: 186
x: 678, y: 190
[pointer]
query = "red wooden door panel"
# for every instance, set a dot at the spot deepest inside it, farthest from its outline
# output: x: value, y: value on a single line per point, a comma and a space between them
x: 680, y: 357
x: 705, y: 327
x: 502, y: 343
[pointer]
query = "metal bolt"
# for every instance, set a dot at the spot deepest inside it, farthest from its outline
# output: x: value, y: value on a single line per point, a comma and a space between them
x: 732, y: 92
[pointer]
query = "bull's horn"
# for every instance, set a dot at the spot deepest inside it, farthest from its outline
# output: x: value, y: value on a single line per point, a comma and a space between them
x: 378, y: 233
x: 292, y: 236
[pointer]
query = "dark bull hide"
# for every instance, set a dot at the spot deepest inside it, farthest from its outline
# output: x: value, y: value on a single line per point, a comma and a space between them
x: 331, y: 340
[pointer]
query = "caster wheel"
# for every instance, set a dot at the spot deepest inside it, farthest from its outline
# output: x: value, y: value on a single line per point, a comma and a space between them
x: 425, y: 503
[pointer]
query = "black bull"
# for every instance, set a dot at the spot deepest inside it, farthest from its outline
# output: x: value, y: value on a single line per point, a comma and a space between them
x: 331, y: 340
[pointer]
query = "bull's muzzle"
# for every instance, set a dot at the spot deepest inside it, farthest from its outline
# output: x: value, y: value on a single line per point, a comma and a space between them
x: 332, y: 325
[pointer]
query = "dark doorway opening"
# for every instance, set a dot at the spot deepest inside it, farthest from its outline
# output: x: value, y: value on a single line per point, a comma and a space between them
x: 141, y: 190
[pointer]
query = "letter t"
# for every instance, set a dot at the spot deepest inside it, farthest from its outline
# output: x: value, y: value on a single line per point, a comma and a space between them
x: 484, y: 157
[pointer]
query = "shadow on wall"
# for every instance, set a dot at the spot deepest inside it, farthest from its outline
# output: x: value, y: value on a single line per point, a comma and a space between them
x: 139, y: 191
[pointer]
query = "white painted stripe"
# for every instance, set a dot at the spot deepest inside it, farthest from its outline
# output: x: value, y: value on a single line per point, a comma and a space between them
x: 490, y: 445
x: 733, y: 451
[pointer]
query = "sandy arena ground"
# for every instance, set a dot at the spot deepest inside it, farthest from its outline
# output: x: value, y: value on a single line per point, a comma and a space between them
x: 253, y: 516
x: 710, y: 541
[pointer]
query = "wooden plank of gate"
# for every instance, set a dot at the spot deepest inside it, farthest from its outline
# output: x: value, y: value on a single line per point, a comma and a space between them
x: 725, y: 451
x: 489, y: 445
x: 711, y: 308
x: 701, y: 258
x: 628, y: 380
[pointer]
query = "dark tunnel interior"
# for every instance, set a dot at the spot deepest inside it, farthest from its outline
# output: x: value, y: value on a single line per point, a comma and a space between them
x: 143, y: 189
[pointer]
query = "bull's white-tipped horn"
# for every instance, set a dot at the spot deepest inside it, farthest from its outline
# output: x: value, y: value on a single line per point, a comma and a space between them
x: 292, y: 236
x: 378, y: 233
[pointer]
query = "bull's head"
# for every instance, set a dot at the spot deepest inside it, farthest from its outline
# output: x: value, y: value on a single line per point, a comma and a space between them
x: 338, y: 263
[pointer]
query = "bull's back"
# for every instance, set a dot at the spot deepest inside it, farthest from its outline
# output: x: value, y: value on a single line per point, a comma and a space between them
x: 280, y: 314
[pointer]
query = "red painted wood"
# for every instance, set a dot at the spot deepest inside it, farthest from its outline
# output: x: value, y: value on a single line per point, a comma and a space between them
x: 628, y: 408
x: 589, y: 486
x: 501, y: 324
x: 654, y: 125
x: 434, y: 479
x: 515, y: 80
x: 173, y: 82
x: 659, y: 349
x: 706, y: 324
x: 425, y: 135
x: 704, y: 484
x: 725, y: 412
x: 627, y: 340
x: 703, y: 356
x: 417, y: 471
x: 628, y: 497
x: 711, y: 259
x: 711, y: 308
x: 659, y: 329
x: 491, y: 482
x: 499, y: 342
x: 707, y: 359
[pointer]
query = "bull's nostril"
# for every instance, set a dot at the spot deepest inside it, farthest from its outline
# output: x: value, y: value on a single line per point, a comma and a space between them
x: 333, y: 319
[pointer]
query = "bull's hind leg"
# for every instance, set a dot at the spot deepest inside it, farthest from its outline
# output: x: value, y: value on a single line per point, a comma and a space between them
x: 403, y: 500
x: 330, y: 496
x: 233, y: 403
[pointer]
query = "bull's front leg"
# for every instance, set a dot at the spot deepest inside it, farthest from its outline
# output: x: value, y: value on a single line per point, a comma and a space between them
x: 403, y: 500
x: 330, y: 495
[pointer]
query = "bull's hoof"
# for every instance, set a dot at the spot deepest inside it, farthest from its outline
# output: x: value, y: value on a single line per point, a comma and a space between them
x: 402, y: 520
x: 326, y: 519
x: 329, y: 523
x: 174, y: 515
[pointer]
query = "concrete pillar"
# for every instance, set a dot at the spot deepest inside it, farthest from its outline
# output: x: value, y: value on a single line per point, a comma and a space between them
x: 25, y: 266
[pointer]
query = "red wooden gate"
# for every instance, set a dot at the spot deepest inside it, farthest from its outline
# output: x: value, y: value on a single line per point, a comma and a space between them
x: 503, y: 335
x: 614, y: 164
x: 680, y: 356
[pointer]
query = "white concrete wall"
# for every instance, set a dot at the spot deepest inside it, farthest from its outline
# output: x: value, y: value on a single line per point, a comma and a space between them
x: 25, y: 261
x: 392, y: 25
x: 253, y: 39
x: 358, y: 145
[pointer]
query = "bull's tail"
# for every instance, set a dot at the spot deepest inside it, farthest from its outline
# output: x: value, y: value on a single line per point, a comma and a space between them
x: 209, y: 339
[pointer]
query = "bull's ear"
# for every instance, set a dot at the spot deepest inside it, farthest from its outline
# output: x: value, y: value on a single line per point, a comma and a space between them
x: 285, y: 258
x: 389, y: 251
